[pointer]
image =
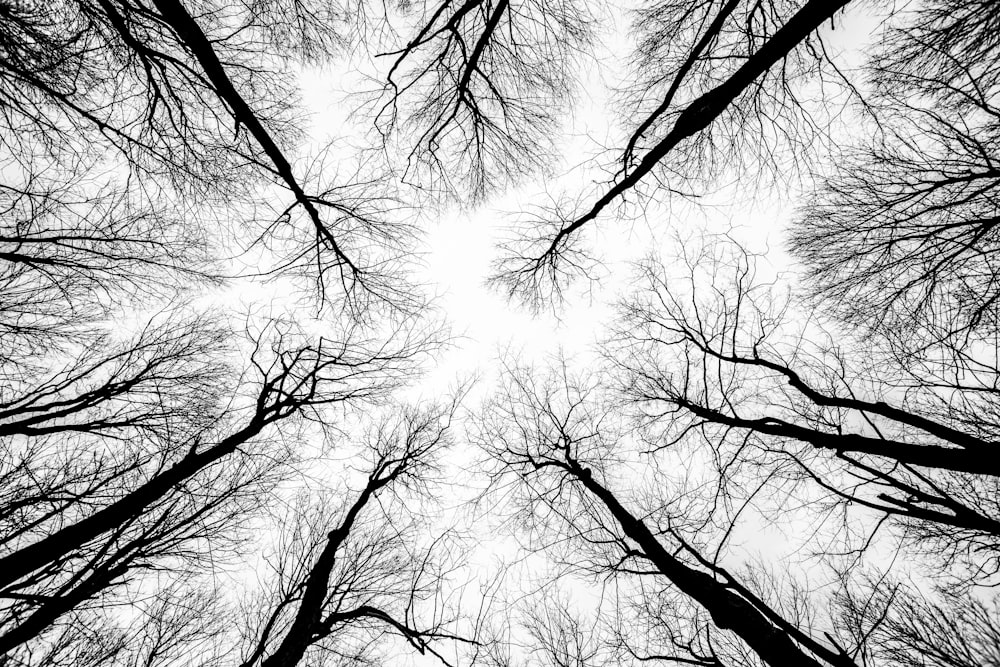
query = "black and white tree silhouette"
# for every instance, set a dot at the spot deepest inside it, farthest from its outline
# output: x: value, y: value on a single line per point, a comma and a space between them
x: 212, y: 321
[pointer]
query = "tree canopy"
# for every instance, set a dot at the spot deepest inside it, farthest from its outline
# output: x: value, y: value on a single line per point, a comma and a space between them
x: 224, y: 436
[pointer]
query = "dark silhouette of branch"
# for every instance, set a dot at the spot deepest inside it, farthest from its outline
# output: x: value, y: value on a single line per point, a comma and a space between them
x: 517, y: 272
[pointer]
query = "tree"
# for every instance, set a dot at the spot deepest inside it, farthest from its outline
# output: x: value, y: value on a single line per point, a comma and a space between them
x: 562, y: 449
x: 346, y: 572
x: 731, y: 344
x: 723, y: 79
x: 180, y: 86
x: 856, y: 428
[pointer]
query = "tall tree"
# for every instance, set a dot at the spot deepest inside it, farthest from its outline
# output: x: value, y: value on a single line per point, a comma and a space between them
x: 552, y: 436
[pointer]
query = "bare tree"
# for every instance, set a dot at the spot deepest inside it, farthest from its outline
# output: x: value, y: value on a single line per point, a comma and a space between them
x: 707, y: 69
x: 561, y: 447
x: 717, y: 356
x: 356, y: 570
x: 180, y: 84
